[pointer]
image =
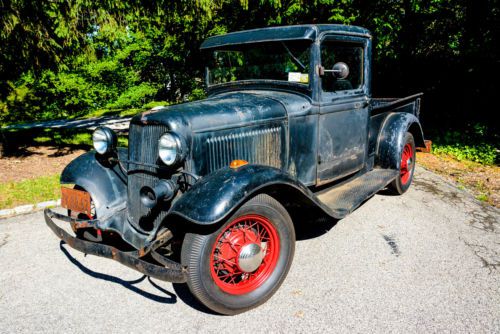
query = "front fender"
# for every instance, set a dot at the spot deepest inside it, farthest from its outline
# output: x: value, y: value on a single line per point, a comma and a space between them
x: 107, y: 184
x: 391, y: 137
x: 215, y: 196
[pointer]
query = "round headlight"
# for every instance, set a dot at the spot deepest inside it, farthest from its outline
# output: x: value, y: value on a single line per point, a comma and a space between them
x: 104, y: 140
x: 170, y: 149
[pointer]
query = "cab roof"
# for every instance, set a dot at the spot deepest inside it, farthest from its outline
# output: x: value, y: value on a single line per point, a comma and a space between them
x: 283, y: 33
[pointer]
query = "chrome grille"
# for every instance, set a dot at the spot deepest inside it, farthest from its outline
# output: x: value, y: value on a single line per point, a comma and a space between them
x: 261, y: 146
x: 143, y: 147
x: 143, y: 142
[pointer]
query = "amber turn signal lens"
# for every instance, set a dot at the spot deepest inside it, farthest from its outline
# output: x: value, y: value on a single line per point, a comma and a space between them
x: 238, y: 163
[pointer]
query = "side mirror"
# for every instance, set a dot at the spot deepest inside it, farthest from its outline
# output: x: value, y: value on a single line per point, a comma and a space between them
x: 340, y: 70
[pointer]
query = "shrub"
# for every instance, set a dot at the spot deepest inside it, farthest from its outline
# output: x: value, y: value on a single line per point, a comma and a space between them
x: 135, y: 96
x: 153, y: 104
x: 474, y: 143
x: 483, y: 153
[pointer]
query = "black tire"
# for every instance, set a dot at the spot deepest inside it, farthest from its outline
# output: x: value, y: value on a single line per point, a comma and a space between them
x: 198, y: 254
x: 405, y: 177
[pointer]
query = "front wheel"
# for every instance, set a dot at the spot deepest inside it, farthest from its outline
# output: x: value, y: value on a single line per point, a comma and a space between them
x: 407, y: 167
x: 243, y: 263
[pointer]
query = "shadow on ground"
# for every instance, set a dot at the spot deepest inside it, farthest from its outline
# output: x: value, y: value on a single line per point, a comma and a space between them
x: 187, y: 297
x: 167, y: 297
x: 314, y: 227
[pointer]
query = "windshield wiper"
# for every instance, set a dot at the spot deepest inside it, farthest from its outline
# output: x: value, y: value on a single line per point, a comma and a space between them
x: 293, y: 57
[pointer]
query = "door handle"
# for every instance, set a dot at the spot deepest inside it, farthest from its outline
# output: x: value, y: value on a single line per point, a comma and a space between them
x: 359, y: 105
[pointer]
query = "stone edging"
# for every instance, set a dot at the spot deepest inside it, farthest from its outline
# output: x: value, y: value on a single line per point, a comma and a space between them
x: 28, y: 208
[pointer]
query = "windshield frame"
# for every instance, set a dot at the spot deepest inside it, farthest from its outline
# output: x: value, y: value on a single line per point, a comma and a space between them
x: 264, y: 83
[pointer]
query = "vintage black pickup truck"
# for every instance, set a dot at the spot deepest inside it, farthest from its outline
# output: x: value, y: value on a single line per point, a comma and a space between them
x: 210, y: 192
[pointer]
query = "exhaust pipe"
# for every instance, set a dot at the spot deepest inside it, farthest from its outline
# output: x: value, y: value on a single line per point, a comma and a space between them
x: 163, y: 191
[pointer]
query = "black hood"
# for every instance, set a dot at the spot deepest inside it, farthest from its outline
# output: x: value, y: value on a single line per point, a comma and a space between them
x: 221, y: 111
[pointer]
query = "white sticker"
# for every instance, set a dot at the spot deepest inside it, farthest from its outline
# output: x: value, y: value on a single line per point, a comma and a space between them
x: 294, y: 76
x: 298, y: 77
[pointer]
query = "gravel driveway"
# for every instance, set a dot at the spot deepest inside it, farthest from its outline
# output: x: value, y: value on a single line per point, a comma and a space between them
x: 115, y: 122
x: 428, y: 261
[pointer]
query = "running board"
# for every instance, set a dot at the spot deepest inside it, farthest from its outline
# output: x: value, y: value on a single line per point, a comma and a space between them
x: 345, y: 198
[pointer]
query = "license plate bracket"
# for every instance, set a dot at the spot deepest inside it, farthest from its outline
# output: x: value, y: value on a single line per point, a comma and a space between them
x: 76, y: 200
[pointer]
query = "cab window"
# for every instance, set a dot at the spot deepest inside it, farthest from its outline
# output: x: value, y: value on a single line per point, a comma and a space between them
x: 333, y: 52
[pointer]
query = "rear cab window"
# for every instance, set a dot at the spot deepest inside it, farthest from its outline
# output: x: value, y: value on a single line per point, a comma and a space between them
x: 352, y: 54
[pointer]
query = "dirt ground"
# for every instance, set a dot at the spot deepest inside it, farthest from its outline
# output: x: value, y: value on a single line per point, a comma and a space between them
x: 483, y: 181
x: 31, y: 162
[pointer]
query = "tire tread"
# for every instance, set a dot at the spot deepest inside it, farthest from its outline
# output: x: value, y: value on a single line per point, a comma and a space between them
x: 195, y: 243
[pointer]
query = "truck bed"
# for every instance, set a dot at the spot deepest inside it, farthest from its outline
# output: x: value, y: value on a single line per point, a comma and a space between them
x: 407, y: 104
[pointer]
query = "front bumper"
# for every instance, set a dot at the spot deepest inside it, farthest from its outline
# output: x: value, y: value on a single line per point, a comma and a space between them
x: 171, y: 271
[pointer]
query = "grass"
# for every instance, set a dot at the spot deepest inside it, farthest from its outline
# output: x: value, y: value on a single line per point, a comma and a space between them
x: 83, y: 139
x: 44, y: 188
x: 483, y: 197
x: 114, y: 112
x: 63, y: 138
x: 49, y: 137
x: 31, y: 191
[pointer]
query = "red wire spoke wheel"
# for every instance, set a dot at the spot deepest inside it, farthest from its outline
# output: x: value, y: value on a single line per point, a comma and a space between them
x: 245, y: 254
x: 406, y: 163
x: 406, y: 167
x: 241, y: 264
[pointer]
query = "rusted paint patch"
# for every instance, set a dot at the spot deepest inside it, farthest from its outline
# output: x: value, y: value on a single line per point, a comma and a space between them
x: 76, y: 200
x: 427, y: 148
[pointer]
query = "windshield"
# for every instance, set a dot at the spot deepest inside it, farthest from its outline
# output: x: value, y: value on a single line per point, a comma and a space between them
x: 283, y: 61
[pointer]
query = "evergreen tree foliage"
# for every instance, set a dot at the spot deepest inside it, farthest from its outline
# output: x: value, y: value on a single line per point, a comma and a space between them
x: 65, y: 58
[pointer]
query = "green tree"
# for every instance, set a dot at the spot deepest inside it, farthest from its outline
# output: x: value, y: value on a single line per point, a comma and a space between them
x: 68, y: 58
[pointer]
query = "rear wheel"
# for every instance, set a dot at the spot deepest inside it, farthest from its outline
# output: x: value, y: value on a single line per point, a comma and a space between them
x: 243, y: 263
x: 407, y: 167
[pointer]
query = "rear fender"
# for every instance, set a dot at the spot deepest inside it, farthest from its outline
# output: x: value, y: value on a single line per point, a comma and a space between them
x: 214, y: 197
x: 106, y: 183
x: 391, y: 137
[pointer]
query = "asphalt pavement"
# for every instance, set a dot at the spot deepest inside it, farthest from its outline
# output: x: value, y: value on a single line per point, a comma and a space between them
x: 117, y: 123
x: 428, y: 261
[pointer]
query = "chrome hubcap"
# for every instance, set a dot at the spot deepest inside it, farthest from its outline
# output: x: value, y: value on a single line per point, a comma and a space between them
x: 250, y: 257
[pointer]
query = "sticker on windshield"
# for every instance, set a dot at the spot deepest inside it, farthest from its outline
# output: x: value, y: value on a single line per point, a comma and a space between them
x: 298, y: 77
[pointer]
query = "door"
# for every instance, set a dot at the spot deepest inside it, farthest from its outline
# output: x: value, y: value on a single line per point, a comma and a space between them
x: 344, y: 112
